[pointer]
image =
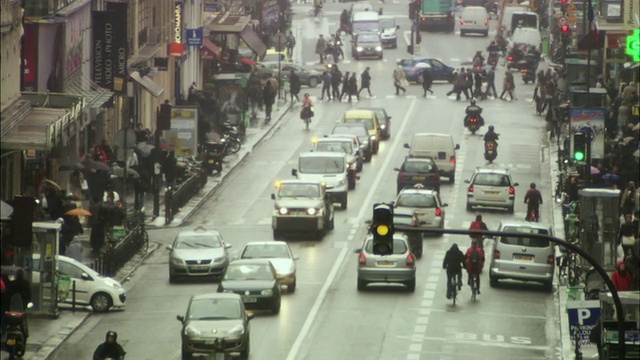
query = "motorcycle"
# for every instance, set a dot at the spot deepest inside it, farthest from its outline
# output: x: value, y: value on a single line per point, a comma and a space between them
x: 306, y: 114
x: 212, y: 160
x: 228, y: 144
x: 493, y: 58
x: 490, y: 150
x: 473, y: 124
x: 514, y: 56
x: 17, y: 333
x: 335, y: 50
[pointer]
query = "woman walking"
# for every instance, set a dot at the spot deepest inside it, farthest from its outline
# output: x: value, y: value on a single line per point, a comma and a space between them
x: 508, y: 85
x: 399, y: 80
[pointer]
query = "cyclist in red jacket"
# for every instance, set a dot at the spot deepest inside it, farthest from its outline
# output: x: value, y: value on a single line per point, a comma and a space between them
x: 475, y: 262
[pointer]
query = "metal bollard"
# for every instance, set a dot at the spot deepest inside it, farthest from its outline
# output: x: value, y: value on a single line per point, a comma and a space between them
x: 73, y: 296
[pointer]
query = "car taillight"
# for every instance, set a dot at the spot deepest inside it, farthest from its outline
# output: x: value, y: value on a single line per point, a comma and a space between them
x: 512, y: 190
x: 411, y: 260
x: 510, y: 58
x: 438, y: 212
x: 496, y: 254
x: 523, y: 70
x: 362, y: 259
x: 401, y: 177
x: 551, y: 260
x: 486, y: 21
x: 424, y: 19
x: 473, y: 120
x: 471, y: 188
x: 452, y: 159
x: 490, y: 145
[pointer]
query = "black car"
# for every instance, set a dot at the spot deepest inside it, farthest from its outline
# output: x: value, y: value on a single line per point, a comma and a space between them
x: 359, y: 130
x: 256, y: 281
x: 366, y: 44
x: 385, y: 121
x: 421, y: 170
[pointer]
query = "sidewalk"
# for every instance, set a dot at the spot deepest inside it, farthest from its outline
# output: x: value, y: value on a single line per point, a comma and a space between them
x: 45, y: 335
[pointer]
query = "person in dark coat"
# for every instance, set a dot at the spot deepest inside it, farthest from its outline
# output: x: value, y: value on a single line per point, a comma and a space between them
x: 454, y: 261
x: 269, y: 96
x: 326, y: 85
x: 109, y: 349
x: 98, y: 227
x: 140, y: 187
x: 70, y: 227
x: 353, y: 87
x: 365, y: 81
x: 491, y: 82
x: 294, y: 83
x: 345, y: 85
x: 336, y: 78
x: 427, y: 81
x: 169, y: 168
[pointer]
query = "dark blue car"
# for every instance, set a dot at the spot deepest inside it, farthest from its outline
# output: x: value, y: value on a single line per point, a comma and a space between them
x: 413, y: 71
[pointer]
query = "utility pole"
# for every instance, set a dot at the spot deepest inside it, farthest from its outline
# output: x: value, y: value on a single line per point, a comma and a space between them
x: 157, y: 167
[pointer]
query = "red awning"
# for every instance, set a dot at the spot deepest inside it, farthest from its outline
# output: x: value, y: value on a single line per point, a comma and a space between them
x: 209, y: 50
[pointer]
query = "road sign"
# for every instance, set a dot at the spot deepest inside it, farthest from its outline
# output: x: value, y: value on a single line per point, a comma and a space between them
x: 194, y: 37
x: 562, y: 20
x: 279, y: 41
x: 583, y: 315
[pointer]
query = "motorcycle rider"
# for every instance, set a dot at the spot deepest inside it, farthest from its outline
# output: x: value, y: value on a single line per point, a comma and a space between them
x: 491, y: 135
x: 110, y: 349
x: 533, y: 199
x: 478, y: 59
x: 307, y: 103
x: 474, y: 110
x: 493, y: 47
x: 344, y: 21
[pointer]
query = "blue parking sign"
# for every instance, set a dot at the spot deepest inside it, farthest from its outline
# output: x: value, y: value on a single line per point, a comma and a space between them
x: 583, y: 316
x: 194, y: 37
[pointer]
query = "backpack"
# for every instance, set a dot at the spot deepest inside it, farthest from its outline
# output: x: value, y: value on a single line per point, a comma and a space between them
x: 475, y: 257
x: 476, y: 225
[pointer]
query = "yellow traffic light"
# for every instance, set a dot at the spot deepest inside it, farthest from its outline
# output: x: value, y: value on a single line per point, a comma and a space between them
x: 382, y: 229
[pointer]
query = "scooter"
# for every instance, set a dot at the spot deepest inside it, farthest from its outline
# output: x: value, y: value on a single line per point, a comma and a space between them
x: 528, y: 75
x: 490, y: 150
x: 473, y: 124
x: 493, y: 58
x: 17, y: 333
x: 212, y: 160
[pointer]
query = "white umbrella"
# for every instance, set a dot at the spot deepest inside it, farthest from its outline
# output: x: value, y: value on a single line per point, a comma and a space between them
x: 422, y: 65
x: 5, y: 210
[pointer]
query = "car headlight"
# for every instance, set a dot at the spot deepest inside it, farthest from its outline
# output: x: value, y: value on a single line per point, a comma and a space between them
x: 177, y: 261
x: 378, y: 48
x: 227, y: 291
x: 341, y: 182
x: 312, y: 211
x: 383, y: 127
x: 267, y: 292
x: 359, y: 48
x: 372, y: 137
x: 351, y: 165
x: 219, y: 259
x: 116, y: 285
x: 190, y: 331
x: 237, y: 330
x: 283, y: 211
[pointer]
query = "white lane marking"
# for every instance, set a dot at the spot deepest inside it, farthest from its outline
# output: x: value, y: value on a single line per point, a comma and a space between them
x: 420, y: 329
x: 455, y: 340
x: 426, y: 303
x: 415, y: 347
x: 315, y: 309
x: 422, y: 320
x: 428, y: 294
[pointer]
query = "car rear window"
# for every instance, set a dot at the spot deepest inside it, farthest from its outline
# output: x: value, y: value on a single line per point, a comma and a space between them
x: 368, y: 123
x: 523, y: 241
x: 418, y: 166
x: 416, y: 200
x: 492, y: 180
x: 338, y: 146
x: 399, y: 246
x: 352, y: 130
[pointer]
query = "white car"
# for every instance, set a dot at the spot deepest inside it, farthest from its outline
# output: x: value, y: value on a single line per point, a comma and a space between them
x: 491, y: 187
x: 280, y: 256
x: 425, y: 204
x: 102, y: 293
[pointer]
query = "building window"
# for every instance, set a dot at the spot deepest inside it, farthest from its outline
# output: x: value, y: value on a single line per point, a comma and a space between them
x: 144, y: 22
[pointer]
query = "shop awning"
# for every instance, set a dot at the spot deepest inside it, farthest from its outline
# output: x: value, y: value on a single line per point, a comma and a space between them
x: 231, y: 24
x: 209, y: 50
x: 253, y: 41
x: 151, y: 86
x: 36, y: 131
x: 94, y: 95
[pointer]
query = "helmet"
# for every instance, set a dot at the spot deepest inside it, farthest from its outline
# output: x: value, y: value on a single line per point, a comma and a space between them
x: 112, y: 334
x: 306, y: 95
x: 490, y: 127
x: 473, y: 101
x: 532, y: 185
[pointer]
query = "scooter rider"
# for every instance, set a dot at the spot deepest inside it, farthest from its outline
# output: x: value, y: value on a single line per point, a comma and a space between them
x: 473, y: 110
x: 493, y: 47
x: 110, y: 349
x: 491, y: 135
x: 478, y: 59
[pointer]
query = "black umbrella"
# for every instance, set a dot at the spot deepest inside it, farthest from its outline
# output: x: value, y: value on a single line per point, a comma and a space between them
x: 98, y: 165
x: 72, y: 167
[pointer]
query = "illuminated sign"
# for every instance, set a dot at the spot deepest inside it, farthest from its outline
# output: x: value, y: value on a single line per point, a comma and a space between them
x: 633, y: 45
x: 177, y: 33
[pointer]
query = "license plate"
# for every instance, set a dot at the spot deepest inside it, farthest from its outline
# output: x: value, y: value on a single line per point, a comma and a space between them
x: 199, y: 267
x: 524, y: 257
x: 249, y: 299
x: 211, y: 161
x: 418, y: 178
x: 386, y: 263
x: 492, y: 192
x: 210, y: 342
x: 11, y: 342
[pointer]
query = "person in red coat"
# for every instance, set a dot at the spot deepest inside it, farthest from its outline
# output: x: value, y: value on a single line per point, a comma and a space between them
x: 621, y: 278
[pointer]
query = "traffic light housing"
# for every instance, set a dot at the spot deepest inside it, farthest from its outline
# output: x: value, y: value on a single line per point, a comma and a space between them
x: 565, y: 30
x: 164, y: 117
x: 580, y: 148
x: 382, y: 229
x: 410, y: 49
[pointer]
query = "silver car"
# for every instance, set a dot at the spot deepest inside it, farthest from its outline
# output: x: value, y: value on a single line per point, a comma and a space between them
x: 400, y: 267
x: 425, y: 204
x: 491, y: 187
x: 280, y: 256
x: 343, y: 145
x: 199, y: 252
x: 523, y: 258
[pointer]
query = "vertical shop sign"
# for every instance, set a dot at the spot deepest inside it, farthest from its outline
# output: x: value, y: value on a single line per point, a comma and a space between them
x: 73, y: 41
x: 30, y: 58
x: 176, y: 48
x: 102, y: 73
x: 120, y: 46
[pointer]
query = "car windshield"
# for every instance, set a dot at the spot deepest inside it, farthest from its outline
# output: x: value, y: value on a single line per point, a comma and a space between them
x: 381, y: 116
x: 338, y: 146
x: 492, y: 180
x: 522, y: 241
x: 418, y: 166
x: 198, y: 241
x: 265, y: 251
x: 387, y: 23
x: 416, y: 200
x: 368, y: 123
x: 214, y: 309
x: 248, y: 272
x: 321, y: 165
x: 299, y: 190
x: 399, y: 246
x: 367, y: 38
x: 353, y: 130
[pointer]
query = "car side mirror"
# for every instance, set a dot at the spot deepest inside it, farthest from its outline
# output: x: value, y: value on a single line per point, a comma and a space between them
x: 85, y: 276
x: 294, y: 172
x: 380, y: 11
x: 515, y: 184
x: 396, y: 169
x: 228, y: 246
x: 406, y: 146
x: 169, y: 247
x: 445, y: 205
x: 388, y: 118
x: 250, y: 315
x: 180, y: 318
x: 466, y: 182
x: 457, y: 147
x: 296, y: 257
x: 397, y: 27
x: 273, y: 196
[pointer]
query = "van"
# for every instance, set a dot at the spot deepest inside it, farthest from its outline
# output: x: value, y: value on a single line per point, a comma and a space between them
x: 506, y: 17
x: 389, y: 31
x: 474, y: 19
x: 329, y: 168
x: 527, y: 36
x: 365, y: 21
x: 526, y: 19
x: 522, y: 258
x: 440, y: 148
x: 370, y: 121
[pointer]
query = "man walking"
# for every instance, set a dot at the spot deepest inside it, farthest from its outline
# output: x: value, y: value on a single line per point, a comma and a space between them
x: 290, y: 43
x: 336, y: 78
x: 321, y: 46
x: 269, y: 95
x: 365, y: 82
x: 353, y: 87
x: 491, y: 82
x: 399, y: 80
x: 345, y: 85
x: 294, y: 85
x: 427, y: 81
x: 326, y: 85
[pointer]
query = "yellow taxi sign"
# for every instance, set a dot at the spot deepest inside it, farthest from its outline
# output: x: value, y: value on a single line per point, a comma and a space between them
x: 277, y: 184
x: 382, y: 229
x: 314, y: 141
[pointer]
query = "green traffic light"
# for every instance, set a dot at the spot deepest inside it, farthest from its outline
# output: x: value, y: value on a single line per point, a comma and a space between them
x: 578, y: 156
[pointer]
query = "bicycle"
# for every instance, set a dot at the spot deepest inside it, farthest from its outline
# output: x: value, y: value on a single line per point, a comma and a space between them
x: 141, y: 233
x: 474, y: 286
x: 454, y: 287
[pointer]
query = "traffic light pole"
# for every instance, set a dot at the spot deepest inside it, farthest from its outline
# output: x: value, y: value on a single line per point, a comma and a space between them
x: 157, y: 167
